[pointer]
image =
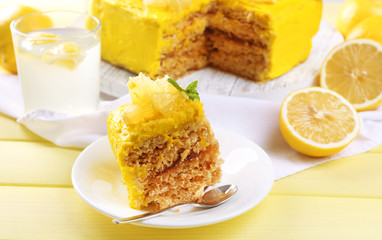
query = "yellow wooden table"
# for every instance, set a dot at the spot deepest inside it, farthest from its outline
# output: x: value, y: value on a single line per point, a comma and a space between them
x: 341, y: 199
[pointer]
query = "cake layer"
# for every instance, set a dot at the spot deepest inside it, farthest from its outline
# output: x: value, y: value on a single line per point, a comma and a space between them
x: 184, y: 32
x: 251, y: 67
x: 186, y: 181
x: 191, y: 139
x: 238, y: 57
x: 190, y: 55
x: 240, y: 24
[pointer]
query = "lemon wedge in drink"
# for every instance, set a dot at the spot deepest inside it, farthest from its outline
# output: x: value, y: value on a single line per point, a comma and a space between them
x: 66, y: 54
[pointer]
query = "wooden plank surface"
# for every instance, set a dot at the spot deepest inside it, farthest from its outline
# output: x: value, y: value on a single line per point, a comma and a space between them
x: 11, y: 130
x: 50, y: 213
x: 33, y: 163
x: 355, y: 176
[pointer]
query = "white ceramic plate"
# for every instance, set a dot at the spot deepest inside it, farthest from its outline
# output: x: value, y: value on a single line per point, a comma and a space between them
x: 97, y: 179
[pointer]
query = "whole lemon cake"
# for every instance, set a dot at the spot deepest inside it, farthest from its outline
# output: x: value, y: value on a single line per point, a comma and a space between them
x: 164, y: 144
x: 255, y: 39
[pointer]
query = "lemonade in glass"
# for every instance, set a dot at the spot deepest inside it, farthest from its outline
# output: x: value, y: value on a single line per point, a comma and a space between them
x: 58, y: 60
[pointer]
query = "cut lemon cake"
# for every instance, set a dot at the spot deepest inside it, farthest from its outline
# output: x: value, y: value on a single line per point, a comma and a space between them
x: 254, y: 39
x: 163, y: 143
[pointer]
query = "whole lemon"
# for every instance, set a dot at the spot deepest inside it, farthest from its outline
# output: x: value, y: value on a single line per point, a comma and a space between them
x: 7, y: 15
x: 369, y: 28
x: 354, y: 11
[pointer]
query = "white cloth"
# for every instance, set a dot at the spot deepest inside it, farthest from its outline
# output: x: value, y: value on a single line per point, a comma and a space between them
x: 253, y: 118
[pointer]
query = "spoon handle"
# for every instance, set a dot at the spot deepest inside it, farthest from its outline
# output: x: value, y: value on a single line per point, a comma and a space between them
x: 148, y: 215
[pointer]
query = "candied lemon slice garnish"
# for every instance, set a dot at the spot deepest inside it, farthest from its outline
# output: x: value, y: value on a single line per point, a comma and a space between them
x: 150, y: 99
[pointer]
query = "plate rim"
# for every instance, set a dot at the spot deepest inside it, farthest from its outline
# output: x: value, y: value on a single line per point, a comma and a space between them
x: 148, y: 223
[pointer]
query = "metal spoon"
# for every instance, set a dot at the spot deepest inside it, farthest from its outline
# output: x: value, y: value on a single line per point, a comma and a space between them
x: 212, y: 198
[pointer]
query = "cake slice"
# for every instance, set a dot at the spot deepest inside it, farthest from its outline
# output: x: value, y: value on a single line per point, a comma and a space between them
x: 164, y: 144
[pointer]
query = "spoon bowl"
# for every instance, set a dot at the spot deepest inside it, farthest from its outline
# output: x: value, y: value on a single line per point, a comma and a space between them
x: 212, y: 198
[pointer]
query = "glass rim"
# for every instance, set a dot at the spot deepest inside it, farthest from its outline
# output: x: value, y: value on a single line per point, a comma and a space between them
x: 17, y: 20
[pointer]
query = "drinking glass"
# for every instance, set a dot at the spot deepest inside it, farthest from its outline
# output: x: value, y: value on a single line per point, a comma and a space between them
x: 58, y: 60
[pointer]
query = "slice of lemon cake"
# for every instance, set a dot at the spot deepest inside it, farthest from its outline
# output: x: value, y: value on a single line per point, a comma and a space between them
x: 255, y: 39
x: 163, y: 143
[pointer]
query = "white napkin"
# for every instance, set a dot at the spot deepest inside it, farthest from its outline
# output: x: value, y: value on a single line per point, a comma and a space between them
x: 253, y: 118
x: 62, y: 129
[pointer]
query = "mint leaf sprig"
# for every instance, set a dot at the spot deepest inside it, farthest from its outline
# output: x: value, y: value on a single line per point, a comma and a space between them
x: 191, y: 91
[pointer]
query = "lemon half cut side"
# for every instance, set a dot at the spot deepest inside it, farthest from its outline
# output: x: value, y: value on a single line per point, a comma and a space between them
x: 318, y: 122
x: 354, y: 70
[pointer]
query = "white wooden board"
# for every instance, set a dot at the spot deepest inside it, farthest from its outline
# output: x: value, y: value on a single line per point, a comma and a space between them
x: 212, y: 81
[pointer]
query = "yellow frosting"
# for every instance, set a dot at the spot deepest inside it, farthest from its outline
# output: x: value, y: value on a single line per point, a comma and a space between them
x: 144, y: 26
x: 141, y: 27
x: 291, y: 37
x: 130, y: 176
x: 156, y: 108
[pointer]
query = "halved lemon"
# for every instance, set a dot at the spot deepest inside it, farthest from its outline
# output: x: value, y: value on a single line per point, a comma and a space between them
x: 318, y: 122
x: 353, y: 69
